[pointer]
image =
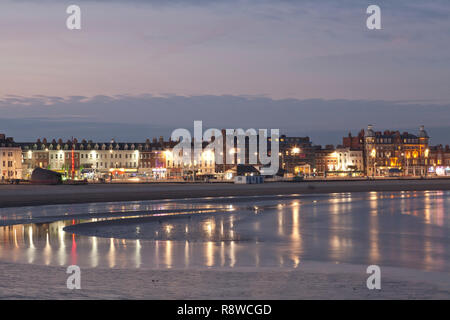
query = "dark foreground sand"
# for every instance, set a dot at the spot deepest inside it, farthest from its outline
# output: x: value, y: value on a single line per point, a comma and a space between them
x: 317, y: 281
x: 30, y: 195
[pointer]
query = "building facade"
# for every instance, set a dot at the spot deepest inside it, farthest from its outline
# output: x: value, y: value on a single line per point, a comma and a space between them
x: 88, y: 159
x: 326, y: 161
x: 297, y: 155
x: 152, y: 158
x: 439, y: 160
x: 350, y: 160
x: 391, y: 151
x: 371, y: 153
x: 10, y: 159
x: 190, y: 167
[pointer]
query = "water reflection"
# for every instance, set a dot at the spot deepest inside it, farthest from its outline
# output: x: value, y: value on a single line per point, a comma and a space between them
x: 407, y: 229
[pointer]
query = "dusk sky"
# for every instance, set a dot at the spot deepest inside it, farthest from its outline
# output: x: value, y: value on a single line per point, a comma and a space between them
x: 140, y: 69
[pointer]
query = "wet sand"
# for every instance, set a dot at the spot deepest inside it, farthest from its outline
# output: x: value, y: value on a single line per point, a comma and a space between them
x: 33, y: 195
x: 315, y: 281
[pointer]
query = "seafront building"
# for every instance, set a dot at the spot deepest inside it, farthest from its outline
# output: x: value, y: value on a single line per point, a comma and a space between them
x: 326, y: 161
x: 297, y: 155
x: 95, y: 159
x: 370, y: 153
x: 350, y: 160
x: 203, y: 167
x: 10, y: 159
x: 392, y: 152
x: 439, y: 160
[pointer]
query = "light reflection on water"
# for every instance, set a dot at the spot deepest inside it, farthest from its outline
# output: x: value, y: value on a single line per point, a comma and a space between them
x: 407, y: 229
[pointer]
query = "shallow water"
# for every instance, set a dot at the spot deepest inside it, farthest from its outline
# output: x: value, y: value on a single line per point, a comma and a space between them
x: 401, y: 229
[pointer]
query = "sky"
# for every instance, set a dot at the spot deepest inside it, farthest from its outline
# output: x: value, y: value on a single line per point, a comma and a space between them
x: 140, y: 68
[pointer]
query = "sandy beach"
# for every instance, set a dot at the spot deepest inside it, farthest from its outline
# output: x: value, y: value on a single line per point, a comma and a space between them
x: 33, y: 195
x: 312, y: 281
x: 311, y: 246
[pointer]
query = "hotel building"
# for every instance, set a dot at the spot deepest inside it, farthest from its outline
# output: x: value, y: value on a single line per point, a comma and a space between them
x: 394, y: 152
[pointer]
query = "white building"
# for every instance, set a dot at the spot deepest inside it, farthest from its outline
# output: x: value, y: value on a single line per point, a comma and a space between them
x: 178, y: 167
x: 104, y: 157
x: 10, y: 159
x: 349, y: 159
x: 100, y: 158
